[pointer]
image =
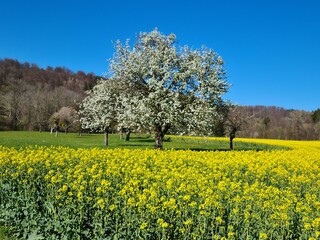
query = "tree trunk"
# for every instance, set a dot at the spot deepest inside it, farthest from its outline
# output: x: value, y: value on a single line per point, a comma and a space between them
x: 121, y: 134
x: 158, y: 140
x: 128, y: 132
x: 232, y: 136
x: 159, y: 135
x: 15, y: 122
x: 106, y: 138
x: 231, y: 143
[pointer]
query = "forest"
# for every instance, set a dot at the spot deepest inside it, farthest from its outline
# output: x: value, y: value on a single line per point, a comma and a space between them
x: 32, y: 97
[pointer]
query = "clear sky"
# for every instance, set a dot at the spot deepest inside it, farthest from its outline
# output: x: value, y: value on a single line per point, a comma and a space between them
x: 271, y: 48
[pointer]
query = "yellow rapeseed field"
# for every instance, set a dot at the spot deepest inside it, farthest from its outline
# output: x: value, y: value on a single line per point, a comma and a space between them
x: 63, y: 193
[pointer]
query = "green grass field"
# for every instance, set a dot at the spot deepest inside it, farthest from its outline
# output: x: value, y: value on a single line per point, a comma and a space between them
x: 73, y: 140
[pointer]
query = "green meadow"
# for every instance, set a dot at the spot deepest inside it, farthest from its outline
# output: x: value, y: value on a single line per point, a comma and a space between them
x: 19, y: 139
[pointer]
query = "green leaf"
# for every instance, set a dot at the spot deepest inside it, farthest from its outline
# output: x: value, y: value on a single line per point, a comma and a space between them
x: 34, y: 235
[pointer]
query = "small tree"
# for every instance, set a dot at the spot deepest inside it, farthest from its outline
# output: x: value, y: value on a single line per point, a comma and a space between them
x: 98, y: 111
x: 64, y: 118
x: 174, y: 86
x: 234, y: 123
x: 68, y: 118
x: 54, y: 123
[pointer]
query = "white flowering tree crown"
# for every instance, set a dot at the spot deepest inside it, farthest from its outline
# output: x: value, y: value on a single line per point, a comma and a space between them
x: 166, y: 86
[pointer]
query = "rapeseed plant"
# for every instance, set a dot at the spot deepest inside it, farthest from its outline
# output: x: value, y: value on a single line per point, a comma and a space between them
x: 63, y: 193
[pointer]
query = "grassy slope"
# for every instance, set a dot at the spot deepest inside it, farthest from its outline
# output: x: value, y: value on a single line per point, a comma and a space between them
x: 73, y: 140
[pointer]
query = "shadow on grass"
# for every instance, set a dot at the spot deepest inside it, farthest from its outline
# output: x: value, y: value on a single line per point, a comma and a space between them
x: 217, y: 149
x: 201, y: 149
x: 147, y: 139
x: 133, y: 145
x: 227, y: 149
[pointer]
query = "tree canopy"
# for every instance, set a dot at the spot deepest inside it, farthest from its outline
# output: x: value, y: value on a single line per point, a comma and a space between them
x: 162, y: 85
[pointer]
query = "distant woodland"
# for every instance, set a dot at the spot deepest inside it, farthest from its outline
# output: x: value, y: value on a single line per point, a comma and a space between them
x: 31, y: 97
x: 279, y: 123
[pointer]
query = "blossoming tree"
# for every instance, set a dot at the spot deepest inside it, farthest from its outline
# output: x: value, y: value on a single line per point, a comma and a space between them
x: 171, y: 86
x: 109, y: 105
x: 99, y: 109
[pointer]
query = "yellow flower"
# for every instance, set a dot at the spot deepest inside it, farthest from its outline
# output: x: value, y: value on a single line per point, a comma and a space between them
x: 263, y: 236
x: 98, y: 190
x: 307, y: 226
x: 187, y: 222
x: 112, y: 207
x: 219, y: 220
x: 192, y: 204
x: 316, y: 223
x: 64, y: 188
x: 162, y: 223
x: 131, y: 201
x: 80, y: 195
x: 186, y: 198
x: 204, y: 213
x: 54, y: 179
x: 144, y: 225
x: 101, y: 203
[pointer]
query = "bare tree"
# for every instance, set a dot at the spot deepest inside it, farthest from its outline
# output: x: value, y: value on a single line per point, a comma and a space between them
x: 14, y: 99
x: 235, y: 121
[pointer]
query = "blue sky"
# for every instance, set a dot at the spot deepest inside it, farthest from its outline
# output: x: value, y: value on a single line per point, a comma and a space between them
x: 271, y: 48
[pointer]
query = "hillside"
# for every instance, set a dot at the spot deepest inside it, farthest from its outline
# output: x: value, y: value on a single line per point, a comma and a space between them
x: 279, y: 123
x: 30, y: 95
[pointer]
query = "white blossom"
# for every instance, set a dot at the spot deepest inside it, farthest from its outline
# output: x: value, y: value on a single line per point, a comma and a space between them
x: 162, y: 86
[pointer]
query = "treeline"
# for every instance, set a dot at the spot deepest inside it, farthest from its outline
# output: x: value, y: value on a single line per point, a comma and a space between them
x: 30, y: 95
x: 279, y: 123
x: 31, y: 98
